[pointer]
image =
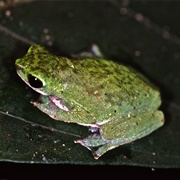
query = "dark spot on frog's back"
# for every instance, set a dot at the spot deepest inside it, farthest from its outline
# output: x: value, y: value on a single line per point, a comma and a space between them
x: 102, y: 86
x: 53, y: 76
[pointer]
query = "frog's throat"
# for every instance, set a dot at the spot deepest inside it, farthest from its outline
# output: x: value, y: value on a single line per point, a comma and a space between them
x: 59, y: 103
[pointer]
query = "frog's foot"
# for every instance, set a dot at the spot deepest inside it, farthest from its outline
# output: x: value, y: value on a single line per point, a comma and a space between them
x: 95, y: 143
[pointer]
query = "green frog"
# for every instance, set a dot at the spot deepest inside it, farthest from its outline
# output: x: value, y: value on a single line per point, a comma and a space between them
x: 118, y: 104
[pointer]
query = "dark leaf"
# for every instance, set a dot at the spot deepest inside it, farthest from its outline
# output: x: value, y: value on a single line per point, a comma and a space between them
x: 141, y: 34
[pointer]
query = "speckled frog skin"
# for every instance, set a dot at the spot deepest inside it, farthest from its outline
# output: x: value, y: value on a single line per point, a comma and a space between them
x: 118, y: 104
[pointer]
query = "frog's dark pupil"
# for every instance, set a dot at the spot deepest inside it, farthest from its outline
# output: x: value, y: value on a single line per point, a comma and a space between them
x: 34, y: 81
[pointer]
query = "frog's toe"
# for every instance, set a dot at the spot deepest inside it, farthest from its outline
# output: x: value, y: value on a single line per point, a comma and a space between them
x: 93, y: 142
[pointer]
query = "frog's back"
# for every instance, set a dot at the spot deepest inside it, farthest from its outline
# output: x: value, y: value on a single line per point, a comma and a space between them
x: 107, y: 89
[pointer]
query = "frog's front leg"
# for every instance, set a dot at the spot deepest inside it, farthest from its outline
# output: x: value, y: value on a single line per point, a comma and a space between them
x: 93, y: 52
x: 52, y: 106
x: 122, y: 131
x: 61, y: 110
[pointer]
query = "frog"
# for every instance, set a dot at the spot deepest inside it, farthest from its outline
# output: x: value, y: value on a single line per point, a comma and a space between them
x: 115, y: 102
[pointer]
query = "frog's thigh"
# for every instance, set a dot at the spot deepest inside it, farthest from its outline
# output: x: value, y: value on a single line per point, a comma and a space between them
x: 132, y: 128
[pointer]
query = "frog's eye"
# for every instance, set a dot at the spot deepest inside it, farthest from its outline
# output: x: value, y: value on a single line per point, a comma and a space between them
x: 34, y: 81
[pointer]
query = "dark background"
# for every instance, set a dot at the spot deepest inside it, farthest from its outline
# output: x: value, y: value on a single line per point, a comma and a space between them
x: 143, y: 34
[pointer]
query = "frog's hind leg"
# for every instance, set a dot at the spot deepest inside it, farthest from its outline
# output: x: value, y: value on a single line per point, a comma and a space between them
x: 120, y: 132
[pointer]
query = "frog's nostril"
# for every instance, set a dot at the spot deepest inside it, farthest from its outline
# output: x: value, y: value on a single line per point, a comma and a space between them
x: 34, y: 81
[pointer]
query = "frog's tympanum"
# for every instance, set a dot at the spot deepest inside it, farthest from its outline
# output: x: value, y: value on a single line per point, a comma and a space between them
x: 118, y: 104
